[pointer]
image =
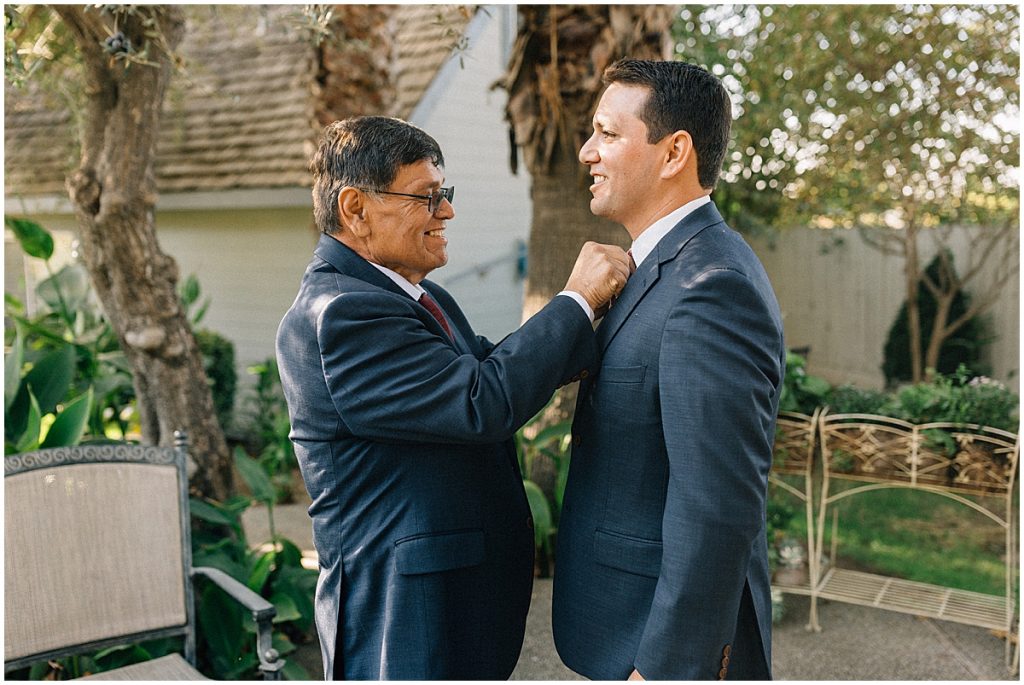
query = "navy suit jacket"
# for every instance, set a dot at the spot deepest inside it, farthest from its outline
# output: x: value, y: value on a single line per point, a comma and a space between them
x: 403, y: 436
x: 662, y: 558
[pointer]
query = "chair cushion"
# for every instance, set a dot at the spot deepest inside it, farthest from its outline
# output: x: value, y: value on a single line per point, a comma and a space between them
x: 170, y: 667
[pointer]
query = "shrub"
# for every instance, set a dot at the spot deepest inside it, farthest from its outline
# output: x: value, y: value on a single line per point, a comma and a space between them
x: 849, y: 399
x: 959, y: 398
x: 219, y: 363
x: 963, y: 347
x: 801, y: 392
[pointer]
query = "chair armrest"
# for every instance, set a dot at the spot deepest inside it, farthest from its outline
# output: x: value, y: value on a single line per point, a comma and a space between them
x: 263, y: 613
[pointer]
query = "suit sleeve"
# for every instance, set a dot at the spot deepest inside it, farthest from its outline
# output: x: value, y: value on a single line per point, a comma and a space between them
x: 717, y: 374
x: 391, y: 379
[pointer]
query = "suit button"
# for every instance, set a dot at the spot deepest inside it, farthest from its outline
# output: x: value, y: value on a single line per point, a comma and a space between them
x: 576, y: 440
x: 529, y: 522
x: 721, y: 674
x: 725, y: 662
x: 727, y: 650
x: 584, y: 373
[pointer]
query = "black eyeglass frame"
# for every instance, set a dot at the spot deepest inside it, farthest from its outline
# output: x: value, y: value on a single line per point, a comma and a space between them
x: 433, y: 200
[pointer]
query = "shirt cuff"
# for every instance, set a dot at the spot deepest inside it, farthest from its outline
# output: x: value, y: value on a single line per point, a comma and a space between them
x: 580, y: 301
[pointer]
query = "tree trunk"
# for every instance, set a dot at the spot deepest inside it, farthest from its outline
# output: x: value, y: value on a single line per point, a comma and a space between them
x: 114, y: 193
x: 943, y: 304
x: 560, y: 224
x: 912, y: 271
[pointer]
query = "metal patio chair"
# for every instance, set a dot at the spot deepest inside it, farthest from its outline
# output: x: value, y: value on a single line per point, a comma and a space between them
x: 97, y: 553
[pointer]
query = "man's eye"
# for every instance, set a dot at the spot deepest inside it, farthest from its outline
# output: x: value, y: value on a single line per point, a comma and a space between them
x: 609, y: 134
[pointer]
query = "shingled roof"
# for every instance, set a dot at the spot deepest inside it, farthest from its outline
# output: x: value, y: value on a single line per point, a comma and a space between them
x: 246, y: 110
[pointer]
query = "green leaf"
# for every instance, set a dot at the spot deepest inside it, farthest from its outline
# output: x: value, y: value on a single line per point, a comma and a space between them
x: 815, y: 385
x: 557, y: 430
x: 35, y: 240
x: 30, y: 437
x: 121, y: 655
x: 290, y: 554
x: 208, y: 512
x: 255, y: 477
x: 220, y: 624
x: 189, y: 290
x: 261, y: 571
x: 50, y: 378
x: 540, y: 510
x: 286, y: 608
x: 67, y: 290
x: 562, y: 465
x: 70, y: 423
x: 293, y: 671
x: 12, y: 368
x: 282, y: 644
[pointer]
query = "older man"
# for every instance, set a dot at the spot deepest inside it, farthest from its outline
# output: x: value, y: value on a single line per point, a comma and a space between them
x: 402, y: 418
x: 662, y: 556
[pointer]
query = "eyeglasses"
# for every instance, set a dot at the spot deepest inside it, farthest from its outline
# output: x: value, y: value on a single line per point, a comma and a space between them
x: 433, y: 200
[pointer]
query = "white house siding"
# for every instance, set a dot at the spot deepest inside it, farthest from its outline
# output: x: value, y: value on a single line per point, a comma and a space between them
x: 841, y: 301
x: 492, y: 207
x: 249, y: 263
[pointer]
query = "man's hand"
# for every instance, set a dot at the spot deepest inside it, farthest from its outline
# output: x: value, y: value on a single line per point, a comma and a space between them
x: 635, y: 676
x: 600, y: 272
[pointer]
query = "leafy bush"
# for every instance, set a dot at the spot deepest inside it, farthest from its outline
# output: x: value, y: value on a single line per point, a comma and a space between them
x: 227, y: 644
x: 849, y: 399
x: 551, y: 442
x: 271, y: 427
x: 65, y: 352
x: 959, y: 398
x: 218, y: 352
x: 801, y: 392
x: 963, y: 348
x: 219, y: 363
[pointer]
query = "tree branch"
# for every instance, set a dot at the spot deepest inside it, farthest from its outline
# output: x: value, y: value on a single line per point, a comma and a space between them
x: 88, y: 31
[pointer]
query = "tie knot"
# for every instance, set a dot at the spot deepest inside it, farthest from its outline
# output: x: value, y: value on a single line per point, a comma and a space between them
x: 632, y: 264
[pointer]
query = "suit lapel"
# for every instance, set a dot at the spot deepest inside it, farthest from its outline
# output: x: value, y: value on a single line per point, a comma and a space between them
x: 347, y: 262
x: 649, y: 272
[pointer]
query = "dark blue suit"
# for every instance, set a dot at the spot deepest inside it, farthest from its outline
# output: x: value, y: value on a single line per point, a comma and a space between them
x: 662, y: 559
x: 404, y: 440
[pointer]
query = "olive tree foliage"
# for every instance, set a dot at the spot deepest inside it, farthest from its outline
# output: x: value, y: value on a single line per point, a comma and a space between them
x: 900, y: 121
x: 113, y: 64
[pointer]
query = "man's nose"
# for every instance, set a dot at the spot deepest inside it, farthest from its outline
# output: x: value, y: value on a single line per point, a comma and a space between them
x: 445, y: 210
x: 588, y: 153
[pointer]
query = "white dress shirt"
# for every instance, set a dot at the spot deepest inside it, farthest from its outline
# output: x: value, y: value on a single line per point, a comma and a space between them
x: 652, y: 235
x: 415, y: 291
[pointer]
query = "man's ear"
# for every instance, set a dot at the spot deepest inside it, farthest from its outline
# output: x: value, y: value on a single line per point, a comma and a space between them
x: 678, y: 152
x: 352, y: 211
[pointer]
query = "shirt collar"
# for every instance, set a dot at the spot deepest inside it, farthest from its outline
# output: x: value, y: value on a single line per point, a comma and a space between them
x: 652, y: 235
x: 414, y: 291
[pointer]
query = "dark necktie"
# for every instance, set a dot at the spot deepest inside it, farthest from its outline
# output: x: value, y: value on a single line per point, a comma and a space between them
x: 428, y: 302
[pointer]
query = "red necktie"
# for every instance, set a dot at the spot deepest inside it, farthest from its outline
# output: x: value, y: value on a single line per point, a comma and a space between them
x: 428, y: 302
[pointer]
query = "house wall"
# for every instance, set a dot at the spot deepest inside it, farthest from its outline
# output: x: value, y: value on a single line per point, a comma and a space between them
x: 841, y: 300
x: 492, y: 207
x: 248, y: 261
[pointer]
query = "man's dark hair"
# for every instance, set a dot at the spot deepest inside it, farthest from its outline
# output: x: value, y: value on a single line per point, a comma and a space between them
x: 363, y: 152
x: 683, y: 97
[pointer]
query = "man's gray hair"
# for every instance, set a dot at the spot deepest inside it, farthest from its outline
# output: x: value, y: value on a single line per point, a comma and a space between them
x: 364, y: 152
